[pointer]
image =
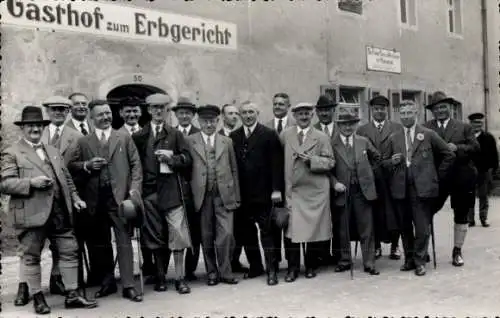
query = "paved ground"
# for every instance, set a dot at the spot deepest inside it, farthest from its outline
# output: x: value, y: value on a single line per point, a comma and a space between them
x: 472, y: 290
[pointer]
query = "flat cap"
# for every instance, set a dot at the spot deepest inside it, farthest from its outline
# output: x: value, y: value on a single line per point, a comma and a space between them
x: 57, y: 101
x: 208, y: 111
x: 379, y: 100
x: 158, y: 99
x: 302, y: 105
x: 476, y: 116
x: 325, y: 101
x: 184, y: 103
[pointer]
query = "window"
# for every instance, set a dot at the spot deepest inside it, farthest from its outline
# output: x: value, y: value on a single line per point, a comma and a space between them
x: 353, y: 6
x: 454, y: 16
x: 408, y: 12
x: 350, y: 100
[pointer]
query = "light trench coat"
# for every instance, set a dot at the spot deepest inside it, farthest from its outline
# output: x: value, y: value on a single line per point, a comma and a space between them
x: 307, y: 185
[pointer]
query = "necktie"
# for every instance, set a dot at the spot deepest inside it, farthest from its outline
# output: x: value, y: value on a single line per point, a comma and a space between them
x: 280, y: 126
x: 103, y: 138
x: 56, y: 136
x: 441, y: 128
x: 300, y: 136
x: 409, y: 146
x: 83, y: 130
x: 248, y: 132
x: 380, y: 127
x: 326, y: 130
x: 185, y: 131
x: 132, y: 130
x: 40, y: 152
x: 157, y: 131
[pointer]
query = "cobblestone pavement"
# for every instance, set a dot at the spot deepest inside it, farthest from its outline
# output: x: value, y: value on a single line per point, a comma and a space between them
x: 473, y: 290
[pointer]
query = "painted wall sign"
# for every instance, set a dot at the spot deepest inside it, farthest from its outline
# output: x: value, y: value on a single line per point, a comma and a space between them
x: 119, y: 21
x: 383, y: 60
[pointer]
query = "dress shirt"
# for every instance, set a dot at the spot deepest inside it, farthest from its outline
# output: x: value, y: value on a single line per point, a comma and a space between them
x: 52, y: 130
x: 444, y: 125
x: 411, y: 131
x: 227, y: 131
x: 107, y: 133
x: 40, y: 152
x: 136, y: 128
x: 153, y: 126
x: 184, y: 130
x: 378, y: 124
x: 478, y: 134
x: 304, y: 132
x: 250, y: 130
x: 209, y: 140
x: 346, y: 140
x: 283, y: 122
x: 78, y: 123
x: 330, y: 128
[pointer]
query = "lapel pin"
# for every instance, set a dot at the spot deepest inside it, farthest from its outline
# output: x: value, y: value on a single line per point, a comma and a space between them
x: 420, y: 136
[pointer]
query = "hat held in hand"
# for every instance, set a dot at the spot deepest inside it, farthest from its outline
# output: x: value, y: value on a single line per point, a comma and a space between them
x: 132, y: 208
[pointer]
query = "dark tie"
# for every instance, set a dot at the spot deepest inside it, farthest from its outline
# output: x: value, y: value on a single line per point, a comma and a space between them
x: 56, y: 136
x: 380, y: 127
x: 132, y: 130
x: 280, y: 126
x: 300, y: 137
x: 326, y: 130
x: 157, y: 131
x: 83, y: 130
x: 441, y: 128
x: 409, y: 144
x: 185, y: 131
x: 349, y: 148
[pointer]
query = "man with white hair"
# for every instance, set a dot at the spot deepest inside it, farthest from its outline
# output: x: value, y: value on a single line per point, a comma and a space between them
x: 259, y: 156
x: 414, y: 182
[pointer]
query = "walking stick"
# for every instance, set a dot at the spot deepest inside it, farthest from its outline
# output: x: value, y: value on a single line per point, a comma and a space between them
x: 139, y: 257
x: 81, y: 255
x: 347, y: 227
x: 433, y: 243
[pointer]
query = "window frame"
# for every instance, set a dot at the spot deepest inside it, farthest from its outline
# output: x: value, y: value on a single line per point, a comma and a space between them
x: 452, y: 8
x: 407, y: 25
x: 361, y: 16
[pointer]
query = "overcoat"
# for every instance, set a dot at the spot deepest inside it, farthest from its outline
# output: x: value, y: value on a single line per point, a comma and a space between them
x: 307, y: 185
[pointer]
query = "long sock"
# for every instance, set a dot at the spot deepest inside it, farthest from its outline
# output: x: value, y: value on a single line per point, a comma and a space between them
x: 460, y: 232
x: 179, y: 263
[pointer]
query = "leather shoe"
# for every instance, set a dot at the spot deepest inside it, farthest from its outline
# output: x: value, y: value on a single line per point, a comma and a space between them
x: 40, y: 304
x: 485, y: 223
x: 253, y: 273
x: 191, y: 277
x: 56, y: 285
x: 229, y: 280
x: 23, y: 295
x: 212, y: 280
x: 378, y: 253
x: 420, y: 270
x: 106, y: 290
x: 371, y: 271
x: 342, y: 268
x: 182, y: 287
x: 75, y: 300
x: 395, y: 254
x: 291, y: 276
x: 161, y: 285
x: 238, y: 268
x: 408, y: 266
x: 272, y: 279
x: 310, y: 273
x: 132, y: 294
x: 457, y: 257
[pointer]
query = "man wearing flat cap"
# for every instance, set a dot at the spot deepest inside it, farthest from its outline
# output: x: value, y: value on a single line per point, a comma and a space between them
x: 486, y: 161
x: 461, y: 184
x: 184, y: 112
x: 166, y: 162
x: 354, y: 183
x: 308, y: 162
x: 108, y: 163
x: 42, y: 201
x: 378, y: 131
x: 216, y: 194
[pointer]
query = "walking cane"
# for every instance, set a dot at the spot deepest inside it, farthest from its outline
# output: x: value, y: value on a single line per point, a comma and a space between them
x: 82, y: 257
x: 347, y: 227
x: 433, y: 243
x: 139, y: 257
x: 179, y: 184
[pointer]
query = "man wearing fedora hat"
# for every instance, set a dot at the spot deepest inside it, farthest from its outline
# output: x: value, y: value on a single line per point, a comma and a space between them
x: 486, y: 161
x: 354, y: 183
x: 108, y: 163
x: 42, y: 199
x: 308, y: 162
x: 166, y: 162
x: 184, y: 112
x: 216, y: 194
x: 378, y: 131
x: 460, y: 186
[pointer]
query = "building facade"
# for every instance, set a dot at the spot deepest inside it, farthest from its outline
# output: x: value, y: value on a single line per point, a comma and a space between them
x: 350, y: 49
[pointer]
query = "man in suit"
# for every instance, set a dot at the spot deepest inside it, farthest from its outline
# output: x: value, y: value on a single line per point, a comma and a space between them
x: 79, y: 112
x: 216, y: 194
x: 378, y: 131
x: 486, y: 161
x: 414, y: 182
x: 42, y: 199
x: 354, y: 182
x: 230, y: 116
x: 281, y: 121
x: 308, y: 163
x: 461, y: 185
x: 108, y: 163
x: 259, y: 155
x: 325, y: 110
x: 165, y: 160
x: 184, y: 112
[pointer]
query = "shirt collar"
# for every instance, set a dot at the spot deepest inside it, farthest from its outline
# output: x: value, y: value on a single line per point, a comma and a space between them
x: 182, y: 129
x: 283, y: 121
x: 77, y: 123
x: 129, y: 128
x: 205, y: 136
x: 32, y: 144
x: 227, y: 130
x: 107, y: 132
x: 344, y: 139
x: 478, y: 133
x: 330, y: 127
x: 153, y: 126
x: 52, y: 129
x: 251, y: 128
x: 377, y: 123
x: 304, y: 131
x: 445, y: 123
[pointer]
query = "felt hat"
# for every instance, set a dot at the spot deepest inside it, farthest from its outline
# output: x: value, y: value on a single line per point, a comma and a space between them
x: 324, y: 101
x: 31, y: 115
x: 440, y: 97
x: 132, y: 208
x: 184, y: 103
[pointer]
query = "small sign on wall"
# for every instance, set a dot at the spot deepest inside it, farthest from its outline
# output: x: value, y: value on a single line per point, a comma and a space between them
x: 383, y: 60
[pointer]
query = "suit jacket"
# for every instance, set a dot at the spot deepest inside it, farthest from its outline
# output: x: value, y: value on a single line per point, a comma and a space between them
x: 226, y: 170
x: 124, y: 167
x: 487, y: 157
x: 260, y: 163
x: 69, y: 123
x: 68, y: 139
x: 31, y: 207
x: 169, y: 185
x: 464, y: 173
x: 334, y: 132
x: 367, y: 158
x: 290, y: 121
x: 427, y: 145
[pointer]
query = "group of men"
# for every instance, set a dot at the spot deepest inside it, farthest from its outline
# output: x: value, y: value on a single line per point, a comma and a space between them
x: 308, y: 187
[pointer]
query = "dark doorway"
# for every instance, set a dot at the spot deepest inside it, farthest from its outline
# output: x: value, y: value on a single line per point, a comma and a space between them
x: 139, y: 91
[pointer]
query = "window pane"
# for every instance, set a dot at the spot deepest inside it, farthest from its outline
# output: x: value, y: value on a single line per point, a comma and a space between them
x: 354, y: 6
x: 458, y: 16
x: 412, y: 12
x: 450, y: 21
x: 403, y: 10
x: 349, y: 95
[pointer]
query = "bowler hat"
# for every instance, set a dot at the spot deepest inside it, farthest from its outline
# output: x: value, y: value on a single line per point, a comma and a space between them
x: 476, y: 116
x: 300, y: 106
x: 346, y: 118
x: 55, y: 101
x: 184, y: 103
x: 440, y: 97
x: 132, y: 208
x: 379, y: 100
x: 324, y: 101
x: 31, y: 115
x: 208, y: 111
x: 158, y: 99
